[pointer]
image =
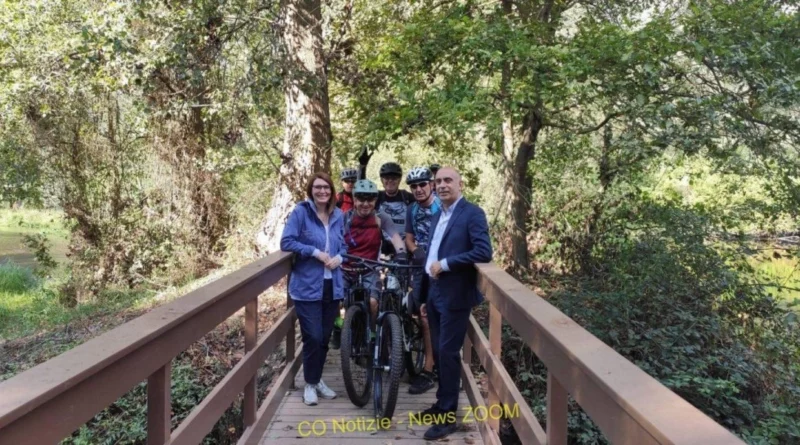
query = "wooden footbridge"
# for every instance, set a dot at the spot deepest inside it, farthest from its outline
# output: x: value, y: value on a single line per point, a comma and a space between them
x: 49, y: 402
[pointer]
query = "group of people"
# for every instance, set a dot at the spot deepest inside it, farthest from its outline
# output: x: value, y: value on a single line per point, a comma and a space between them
x: 432, y: 226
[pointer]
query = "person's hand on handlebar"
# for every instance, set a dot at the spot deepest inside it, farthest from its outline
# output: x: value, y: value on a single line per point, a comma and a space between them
x: 401, y: 258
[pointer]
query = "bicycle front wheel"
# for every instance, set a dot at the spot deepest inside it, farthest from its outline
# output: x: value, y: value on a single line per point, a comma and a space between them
x: 356, y: 357
x: 390, y: 366
x: 414, y: 346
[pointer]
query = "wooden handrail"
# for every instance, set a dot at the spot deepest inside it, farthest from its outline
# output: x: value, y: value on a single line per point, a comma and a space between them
x: 628, y: 405
x: 50, y: 401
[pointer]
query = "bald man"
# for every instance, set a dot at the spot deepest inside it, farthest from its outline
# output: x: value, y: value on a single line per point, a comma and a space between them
x: 460, y: 239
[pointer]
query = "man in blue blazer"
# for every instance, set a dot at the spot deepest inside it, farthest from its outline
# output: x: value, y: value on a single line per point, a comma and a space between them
x: 460, y: 239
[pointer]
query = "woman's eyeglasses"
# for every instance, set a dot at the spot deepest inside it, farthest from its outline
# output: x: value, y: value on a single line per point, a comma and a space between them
x: 322, y: 187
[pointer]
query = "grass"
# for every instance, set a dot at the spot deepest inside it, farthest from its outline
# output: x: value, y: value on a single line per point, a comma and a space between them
x: 24, y: 221
x: 14, y: 224
x: 780, y: 271
x: 29, y: 305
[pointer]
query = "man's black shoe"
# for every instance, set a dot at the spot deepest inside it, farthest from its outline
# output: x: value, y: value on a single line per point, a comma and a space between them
x: 421, y: 383
x: 336, y: 338
x: 433, y: 410
x: 441, y: 431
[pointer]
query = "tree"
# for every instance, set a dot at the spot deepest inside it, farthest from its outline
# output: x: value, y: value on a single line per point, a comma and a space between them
x: 307, y: 128
x: 591, y: 81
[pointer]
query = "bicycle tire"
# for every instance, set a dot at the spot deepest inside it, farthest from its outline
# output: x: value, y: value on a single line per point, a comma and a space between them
x: 413, y: 358
x: 385, y: 398
x: 355, y: 320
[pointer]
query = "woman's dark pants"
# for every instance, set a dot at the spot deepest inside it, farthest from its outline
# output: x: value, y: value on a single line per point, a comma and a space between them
x: 316, y: 323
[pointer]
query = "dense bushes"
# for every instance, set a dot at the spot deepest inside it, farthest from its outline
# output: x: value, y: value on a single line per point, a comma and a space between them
x: 690, y: 313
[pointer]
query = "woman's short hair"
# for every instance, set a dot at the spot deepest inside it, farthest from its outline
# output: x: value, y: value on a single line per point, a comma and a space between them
x: 310, y: 188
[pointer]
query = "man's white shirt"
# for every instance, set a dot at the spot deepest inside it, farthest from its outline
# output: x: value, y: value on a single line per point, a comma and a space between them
x: 436, y: 238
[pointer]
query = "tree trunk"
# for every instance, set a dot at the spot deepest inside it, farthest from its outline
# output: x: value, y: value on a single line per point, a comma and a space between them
x: 519, y: 148
x: 520, y: 185
x: 307, y: 130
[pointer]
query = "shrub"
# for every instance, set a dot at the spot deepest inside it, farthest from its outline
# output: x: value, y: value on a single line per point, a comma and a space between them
x: 690, y: 312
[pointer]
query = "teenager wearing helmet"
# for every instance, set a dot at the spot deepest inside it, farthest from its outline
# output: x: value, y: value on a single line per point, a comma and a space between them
x: 418, y: 231
x: 362, y: 236
x: 393, y: 201
x: 344, y: 199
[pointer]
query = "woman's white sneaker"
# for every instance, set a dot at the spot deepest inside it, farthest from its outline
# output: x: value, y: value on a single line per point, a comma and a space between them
x: 324, y: 391
x: 310, y: 395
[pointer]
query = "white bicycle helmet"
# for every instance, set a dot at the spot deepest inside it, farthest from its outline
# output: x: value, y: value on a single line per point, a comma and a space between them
x: 349, y: 174
x: 419, y: 174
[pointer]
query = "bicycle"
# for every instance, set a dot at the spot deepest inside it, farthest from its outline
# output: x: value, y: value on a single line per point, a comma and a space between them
x: 386, y: 351
x: 355, y: 340
x: 413, y: 339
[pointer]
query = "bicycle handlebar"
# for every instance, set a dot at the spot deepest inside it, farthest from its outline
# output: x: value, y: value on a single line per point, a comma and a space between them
x: 367, y: 263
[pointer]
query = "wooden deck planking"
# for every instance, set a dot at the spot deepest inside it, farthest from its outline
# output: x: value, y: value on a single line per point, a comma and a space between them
x: 332, y: 414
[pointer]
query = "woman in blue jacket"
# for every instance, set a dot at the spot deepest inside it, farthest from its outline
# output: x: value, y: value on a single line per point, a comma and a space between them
x: 314, y: 234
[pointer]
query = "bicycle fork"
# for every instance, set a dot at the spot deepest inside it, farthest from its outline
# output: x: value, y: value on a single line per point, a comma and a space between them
x: 376, y: 360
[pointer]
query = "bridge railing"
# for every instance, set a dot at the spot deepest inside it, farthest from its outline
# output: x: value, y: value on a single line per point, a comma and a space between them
x: 49, y: 402
x: 628, y: 405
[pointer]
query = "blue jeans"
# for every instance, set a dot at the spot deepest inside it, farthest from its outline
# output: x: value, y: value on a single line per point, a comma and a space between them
x: 316, y: 323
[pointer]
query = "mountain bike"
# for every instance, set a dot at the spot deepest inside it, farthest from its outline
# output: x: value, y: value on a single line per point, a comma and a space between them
x: 379, y: 356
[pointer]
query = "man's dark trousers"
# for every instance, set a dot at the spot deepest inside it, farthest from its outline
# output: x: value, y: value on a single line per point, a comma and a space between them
x: 448, y: 328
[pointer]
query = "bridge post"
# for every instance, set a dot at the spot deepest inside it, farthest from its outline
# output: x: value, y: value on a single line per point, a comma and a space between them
x: 495, y: 345
x: 557, y: 399
x: 159, y: 405
x: 466, y: 357
x: 290, y: 334
x: 250, y: 339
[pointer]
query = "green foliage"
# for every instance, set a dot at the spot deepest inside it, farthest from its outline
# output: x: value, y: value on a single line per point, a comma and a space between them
x: 134, y: 118
x: 15, y: 279
x: 20, y: 177
x: 40, y: 246
x: 666, y: 139
x: 688, y: 312
x: 40, y: 306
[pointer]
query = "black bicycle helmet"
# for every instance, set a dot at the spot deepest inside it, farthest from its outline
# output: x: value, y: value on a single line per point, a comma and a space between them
x: 391, y: 169
x: 435, y: 168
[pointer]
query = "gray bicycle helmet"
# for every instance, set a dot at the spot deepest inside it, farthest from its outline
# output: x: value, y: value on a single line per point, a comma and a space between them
x: 419, y: 174
x: 365, y: 188
x: 349, y: 173
x: 391, y: 169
